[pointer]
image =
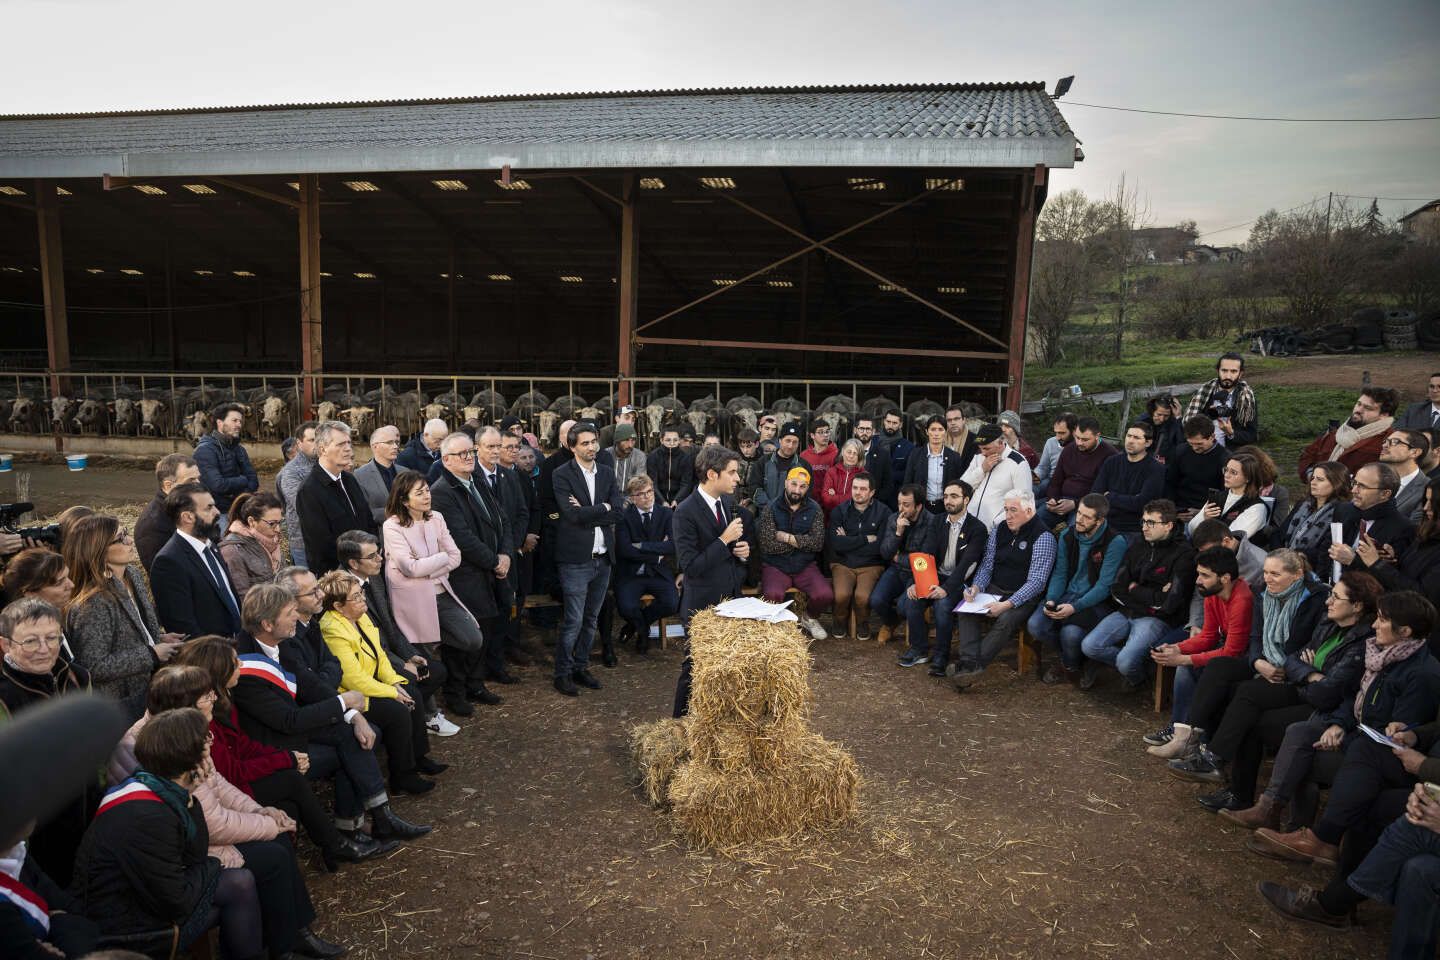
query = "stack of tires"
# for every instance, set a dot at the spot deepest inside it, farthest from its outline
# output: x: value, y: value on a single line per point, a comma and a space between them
x: 1399, y: 330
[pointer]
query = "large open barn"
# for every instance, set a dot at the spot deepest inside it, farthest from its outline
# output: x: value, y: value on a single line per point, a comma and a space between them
x: 759, y: 241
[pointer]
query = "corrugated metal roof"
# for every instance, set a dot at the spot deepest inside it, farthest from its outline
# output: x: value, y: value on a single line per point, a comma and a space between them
x: 954, y: 125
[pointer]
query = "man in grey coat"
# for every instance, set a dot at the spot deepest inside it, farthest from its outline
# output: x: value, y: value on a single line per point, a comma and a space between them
x: 629, y: 458
x: 376, y: 476
x: 287, y: 486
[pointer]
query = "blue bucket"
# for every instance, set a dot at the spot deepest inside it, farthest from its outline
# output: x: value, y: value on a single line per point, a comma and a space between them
x: 77, y: 461
x: 7, y: 462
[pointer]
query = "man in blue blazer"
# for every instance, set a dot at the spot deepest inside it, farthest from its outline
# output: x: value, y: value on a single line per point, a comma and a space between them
x: 192, y: 588
x: 589, y: 503
x: 645, y: 547
x: 711, y: 547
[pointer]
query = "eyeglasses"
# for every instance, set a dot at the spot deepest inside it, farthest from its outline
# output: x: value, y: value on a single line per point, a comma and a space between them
x: 385, y: 443
x: 377, y: 555
x: 463, y: 455
x: 31, y: 644
x: 1364, y: 486
x: 1153, y: 523
x: 209, y: 695
x: 272, y: 524
x: 1394, y: 442
x: 1338, y: 598
x: 122, y: 538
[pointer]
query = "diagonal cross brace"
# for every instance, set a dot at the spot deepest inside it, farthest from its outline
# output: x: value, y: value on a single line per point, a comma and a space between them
x: 825, y: 245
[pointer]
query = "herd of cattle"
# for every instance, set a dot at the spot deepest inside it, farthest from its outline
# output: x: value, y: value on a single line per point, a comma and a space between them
x: 273, y: 414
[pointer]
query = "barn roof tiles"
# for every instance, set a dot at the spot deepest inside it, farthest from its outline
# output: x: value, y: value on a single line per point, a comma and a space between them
x: 926, y: 125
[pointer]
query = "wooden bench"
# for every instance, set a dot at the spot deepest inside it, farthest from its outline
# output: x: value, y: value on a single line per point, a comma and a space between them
x: 1164, y: 687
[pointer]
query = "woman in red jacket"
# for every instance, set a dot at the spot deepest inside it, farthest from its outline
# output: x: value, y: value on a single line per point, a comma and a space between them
x: 272, y: 776
x: 834, y: 483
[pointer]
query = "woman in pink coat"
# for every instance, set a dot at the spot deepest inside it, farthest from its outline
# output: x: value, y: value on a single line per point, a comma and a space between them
x: 419, y: 555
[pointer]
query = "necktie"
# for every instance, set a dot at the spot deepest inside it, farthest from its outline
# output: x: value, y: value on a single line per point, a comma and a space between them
x: 340, y: 483
x: 719, y: 517
x: 1434, y: 418
x: 491, y: 477
x: 222, y: 584
x: 645, y: 519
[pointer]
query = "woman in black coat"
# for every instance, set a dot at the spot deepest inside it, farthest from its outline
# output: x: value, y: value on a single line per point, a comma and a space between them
x: 143, y: 873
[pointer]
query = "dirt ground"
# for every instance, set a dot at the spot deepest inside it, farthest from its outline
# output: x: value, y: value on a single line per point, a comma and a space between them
x: 1406, y: 371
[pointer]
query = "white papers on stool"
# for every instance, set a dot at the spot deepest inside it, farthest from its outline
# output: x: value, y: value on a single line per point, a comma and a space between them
x: 980, y: 604
x: 754, y: 608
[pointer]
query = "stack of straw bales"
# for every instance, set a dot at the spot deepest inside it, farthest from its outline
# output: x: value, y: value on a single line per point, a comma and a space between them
x: 744, y: 765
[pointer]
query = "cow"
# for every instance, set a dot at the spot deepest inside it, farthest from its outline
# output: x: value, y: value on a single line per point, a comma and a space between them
x: 595, y: 415
x: 25, y: 416
x: 839, y: 411
x: 547, y: 423
x: 876, y: 407
x: 661, y: 411
x: 567, y: 406
x: 126, y: 413
x: 493, y: 405
x: 62, y: 409
x: 701, y: 415
x: 404, y: 411
x: 527, y: 405
x: 360, y: 419
x: 478, y: 414
x: 919, y: 412
x: 197, y: 425
x: 275, y: 418
x: 91, y: 416
x: 326, y: 410
x: 434, y: 411
x: 156, y: 418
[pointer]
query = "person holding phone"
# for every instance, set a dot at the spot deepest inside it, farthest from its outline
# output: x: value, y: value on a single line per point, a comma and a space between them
x: 1237, y: 504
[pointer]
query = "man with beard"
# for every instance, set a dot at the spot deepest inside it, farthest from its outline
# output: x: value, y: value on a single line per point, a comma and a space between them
x: 154, y: 526
x: 1063, y: 429
x: 192, y: 591
x: 225, y: 467
x: 1152, y: 591
x: 1373, y: 494
x: 629, y: 459
x: 957, y: 544
x: 711, y: 547
x: 777, y: 467
x: 1131, y: 480
x: 1086, y: 560
x: 1358, y: 440
x: 958, y: 436
x: 1075, y: 472
x: 913, y: 525
x: 1403, y: 451
x: 877, y: 460
x: 792, y: 535
x: 331, y: 501
x: 1195, y: 469
x: 900, y: 448
x: 1229, y: 402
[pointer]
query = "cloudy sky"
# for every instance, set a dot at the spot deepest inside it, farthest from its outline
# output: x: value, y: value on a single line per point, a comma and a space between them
x: 1320, y: 58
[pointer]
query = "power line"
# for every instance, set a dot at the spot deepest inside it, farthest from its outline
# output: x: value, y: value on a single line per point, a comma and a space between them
x: 1224, y: 116
x: 1247, y: 223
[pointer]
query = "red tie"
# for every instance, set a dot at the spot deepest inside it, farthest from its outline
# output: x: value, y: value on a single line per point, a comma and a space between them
x: 719, y: 517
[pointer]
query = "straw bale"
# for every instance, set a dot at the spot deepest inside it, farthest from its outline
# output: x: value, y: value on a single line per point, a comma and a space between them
x: 816, y: 786
x: 657, y: 749
x: 748, y: 672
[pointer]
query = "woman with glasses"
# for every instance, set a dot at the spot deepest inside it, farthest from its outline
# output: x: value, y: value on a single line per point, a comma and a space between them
x: 251, y: 547
x: 40, y: 573
x: 111, y: 620
x: 1238, y: 506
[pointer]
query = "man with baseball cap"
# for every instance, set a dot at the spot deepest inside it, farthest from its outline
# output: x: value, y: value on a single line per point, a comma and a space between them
x: 994, y: 471
x: 778, y: 466
x: 792, y: 534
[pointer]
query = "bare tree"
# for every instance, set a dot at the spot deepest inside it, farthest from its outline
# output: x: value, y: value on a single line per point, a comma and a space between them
x: 1183, y: 304
x: 1414, y: 277
x: 1121, y: 214
x: 1321, y: 262
x: 1064, y: 268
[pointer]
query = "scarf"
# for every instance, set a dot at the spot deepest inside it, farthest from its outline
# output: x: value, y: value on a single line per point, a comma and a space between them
x: 32, y: 907
x: 270, y: 542
x: 1242, y: 399
x: 1377, y: 658
x: 1347, y: 436
x: 175, y: 797
x: 1278, y: 612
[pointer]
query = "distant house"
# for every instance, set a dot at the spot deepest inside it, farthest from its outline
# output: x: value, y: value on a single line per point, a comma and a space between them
x: 1201, y: 253
x: 1230, y: 254
x: 1159, y: 244
x: 1422, y: 223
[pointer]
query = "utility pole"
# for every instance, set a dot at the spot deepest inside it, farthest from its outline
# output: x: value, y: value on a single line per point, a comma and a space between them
x: 1328, y: 202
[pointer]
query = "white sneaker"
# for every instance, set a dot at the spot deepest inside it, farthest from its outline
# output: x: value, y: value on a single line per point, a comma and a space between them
x: 813, y: 626
x: 440, y: 726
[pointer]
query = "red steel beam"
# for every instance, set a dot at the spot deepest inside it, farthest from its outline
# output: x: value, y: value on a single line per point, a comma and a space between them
x: 1032, y: 186
x: 312, y: 329
x: 52, y: 280
x: 629, y: 286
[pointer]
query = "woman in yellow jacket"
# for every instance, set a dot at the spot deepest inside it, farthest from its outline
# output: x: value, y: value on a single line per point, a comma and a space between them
x: 352, y: 637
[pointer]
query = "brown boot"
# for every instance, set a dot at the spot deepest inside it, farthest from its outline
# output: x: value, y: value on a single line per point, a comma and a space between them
x: 1266, y: 813
x: 886, y: 632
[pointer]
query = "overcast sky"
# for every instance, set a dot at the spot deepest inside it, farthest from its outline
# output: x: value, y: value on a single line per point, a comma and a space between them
x: 1337, y: 58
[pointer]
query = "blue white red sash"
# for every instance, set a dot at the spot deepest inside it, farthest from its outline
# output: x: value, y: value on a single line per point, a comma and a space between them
x: 261, y: 667
x: 125, y: 792
x: 31, y: 905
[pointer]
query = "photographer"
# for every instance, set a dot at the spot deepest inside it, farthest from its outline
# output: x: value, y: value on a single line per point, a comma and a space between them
x: 1229, y: 401
x: 14, y: 538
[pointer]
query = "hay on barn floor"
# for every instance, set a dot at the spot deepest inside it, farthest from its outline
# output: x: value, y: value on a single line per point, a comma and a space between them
x: 744, y: 766
x: 658, y: 748
x: 814, y: 786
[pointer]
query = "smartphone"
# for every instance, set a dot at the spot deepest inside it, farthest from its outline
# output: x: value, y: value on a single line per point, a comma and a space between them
x: 1051, y: 605
x: 1215, y: 496
x: 1434, y: 790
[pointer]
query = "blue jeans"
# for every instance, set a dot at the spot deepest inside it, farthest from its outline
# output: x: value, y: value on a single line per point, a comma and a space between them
x: 582, y: 587
x: 1066, y: 636
x: 916, y: 627
x: 1404, y: 870
x: 297, y: 553
x: 1125, y: 644
x: 1051, y: 519
x: 882, y: 599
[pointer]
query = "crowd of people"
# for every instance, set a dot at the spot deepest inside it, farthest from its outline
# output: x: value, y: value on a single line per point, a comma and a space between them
x: 262, y: 641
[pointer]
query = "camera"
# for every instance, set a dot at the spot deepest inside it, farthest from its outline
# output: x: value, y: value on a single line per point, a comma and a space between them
x: 1221, y: 410
x: 10, y: 513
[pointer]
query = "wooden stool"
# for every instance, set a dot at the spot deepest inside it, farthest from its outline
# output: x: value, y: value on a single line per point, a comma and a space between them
x: 1027, y: 653
x: 1164, y: 686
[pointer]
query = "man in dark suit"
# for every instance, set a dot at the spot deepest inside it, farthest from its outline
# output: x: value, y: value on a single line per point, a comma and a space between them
x: 546, y: 579
x: 154, y: 528
x: 331, y: 501
x: 643, y: 542
x: 712, y: 547
x: 589, y: 503
x: 477, y: 525
x: 192, y: 590
x: 1424, y: 414
x: 519, y: 459
x: 877, y: 460
x: 490, y: 477
x: 958, y: 546
x: 361, y: 556
x: 517, y: 496
x: 1380, y: 524
x: 932, y: 466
